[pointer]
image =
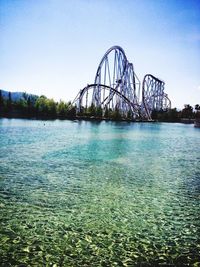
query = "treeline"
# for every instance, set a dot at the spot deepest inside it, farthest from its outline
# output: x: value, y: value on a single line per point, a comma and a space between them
x: 99, y: 113
x: 42, y: 107
x: 33, y: 106
x: 187, y: 114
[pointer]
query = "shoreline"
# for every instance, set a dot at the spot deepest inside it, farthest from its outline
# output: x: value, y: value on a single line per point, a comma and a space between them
x: 85, y: 118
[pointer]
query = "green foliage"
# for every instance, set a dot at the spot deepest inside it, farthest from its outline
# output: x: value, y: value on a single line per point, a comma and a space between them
x: 45, y: 106
x: 106, y: 112
x: 173, y: 115
x: 33, y: 106
x: 51, y: 107
x: 170, y: 115
x: 91, y: 111
x: 115, y: 114
x: 9, y: 102
x: 1, y: 101
x: 187, y: 112
x: 62, y: 109
x: 99, y: 112
x: 197, y: 114
x: 197, y: 107
x: 21, y: 105
x: 71, y: 112
x: 40, y: 105
x: 129, y: 114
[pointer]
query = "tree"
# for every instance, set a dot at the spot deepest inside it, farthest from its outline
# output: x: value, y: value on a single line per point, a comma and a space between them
x: 91, y: 111
x: 9, y: 102
x: 197, y: 108
x: 30, y: 106
x: 154, y: 114
x: 25, y: 96
x: 99, y: 112
x: 1, y: 101
x: 170, y: 115
x: 115, y: 115
x: 45, y: 106
x: 187, y: 112
x: 71, y: 112
x: 21, y: 105
x: 107, y: 112
x: 129, y: 114
x: 41, y: 106
x: 173, y: 115
x: 62, y: 109
x: 50, y: 107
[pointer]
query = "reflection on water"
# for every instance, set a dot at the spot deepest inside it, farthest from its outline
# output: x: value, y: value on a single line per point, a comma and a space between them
x: 99, y: 194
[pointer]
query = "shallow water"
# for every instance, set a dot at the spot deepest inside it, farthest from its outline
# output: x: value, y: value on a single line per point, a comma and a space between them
x: 99, y: 194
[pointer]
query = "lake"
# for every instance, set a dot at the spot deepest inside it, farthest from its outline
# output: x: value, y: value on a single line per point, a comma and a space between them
x: 82, y: 193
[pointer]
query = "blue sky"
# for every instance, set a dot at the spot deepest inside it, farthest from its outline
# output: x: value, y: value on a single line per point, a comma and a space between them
x: 53, y: 47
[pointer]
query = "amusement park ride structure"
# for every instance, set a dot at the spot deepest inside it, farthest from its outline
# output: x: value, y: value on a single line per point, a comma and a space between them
x: 116, y: 86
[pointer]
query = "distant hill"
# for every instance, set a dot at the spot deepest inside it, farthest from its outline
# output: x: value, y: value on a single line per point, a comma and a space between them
x: 16, y: 96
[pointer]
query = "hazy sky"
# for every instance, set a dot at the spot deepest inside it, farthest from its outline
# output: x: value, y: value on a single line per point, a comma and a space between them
x: 53, y: 47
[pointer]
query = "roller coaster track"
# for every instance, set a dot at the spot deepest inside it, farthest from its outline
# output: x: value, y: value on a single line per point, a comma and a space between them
x: 153, y: 95
x: 116, y: 86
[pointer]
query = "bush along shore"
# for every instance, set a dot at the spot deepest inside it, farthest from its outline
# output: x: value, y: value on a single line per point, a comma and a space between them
x: 31, y: 106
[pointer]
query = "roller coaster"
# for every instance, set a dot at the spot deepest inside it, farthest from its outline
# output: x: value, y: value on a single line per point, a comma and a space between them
x: 117, y: 87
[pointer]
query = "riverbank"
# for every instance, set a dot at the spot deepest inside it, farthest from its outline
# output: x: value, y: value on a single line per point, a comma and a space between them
x: 20, y: 115
x: 16, y: 114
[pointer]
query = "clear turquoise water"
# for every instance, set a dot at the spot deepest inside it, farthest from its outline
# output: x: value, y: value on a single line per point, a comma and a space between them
x: 99, y: 194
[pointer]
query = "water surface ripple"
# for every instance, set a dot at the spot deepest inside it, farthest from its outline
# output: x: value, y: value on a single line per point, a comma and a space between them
x: 99, y: 194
